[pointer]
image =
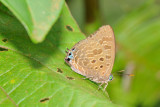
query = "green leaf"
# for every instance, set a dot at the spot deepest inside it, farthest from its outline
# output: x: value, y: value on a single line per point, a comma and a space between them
x: 37, y: 16
x: 36, y: 74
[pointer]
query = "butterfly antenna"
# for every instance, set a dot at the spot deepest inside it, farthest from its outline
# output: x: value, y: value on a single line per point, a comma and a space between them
x: 121, y: 71
x: 127, y: 74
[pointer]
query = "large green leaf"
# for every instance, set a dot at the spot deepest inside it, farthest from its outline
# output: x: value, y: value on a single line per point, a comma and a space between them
x: 30, y: 73
x: 37, y: 16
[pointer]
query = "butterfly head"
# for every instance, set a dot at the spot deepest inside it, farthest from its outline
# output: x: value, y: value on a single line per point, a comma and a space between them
x: 69, y: 55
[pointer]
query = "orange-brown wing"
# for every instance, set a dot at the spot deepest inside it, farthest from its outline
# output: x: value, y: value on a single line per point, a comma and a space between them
x: 94, y: 56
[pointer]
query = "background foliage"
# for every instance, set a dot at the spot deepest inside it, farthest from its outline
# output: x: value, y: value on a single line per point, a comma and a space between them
x: 136, y: 24
x: 36, y: 75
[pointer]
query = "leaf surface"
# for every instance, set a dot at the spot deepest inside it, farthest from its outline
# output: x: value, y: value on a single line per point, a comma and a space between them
x: 37, y: 16
x: 36, y: 74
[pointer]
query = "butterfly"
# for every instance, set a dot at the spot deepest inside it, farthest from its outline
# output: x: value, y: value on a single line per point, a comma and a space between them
x: 94, y: 56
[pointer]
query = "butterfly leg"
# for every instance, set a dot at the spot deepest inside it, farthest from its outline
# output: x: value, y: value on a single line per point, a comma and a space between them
x: 66, y: 51
x: 100, y: 86
x: 105, y: 86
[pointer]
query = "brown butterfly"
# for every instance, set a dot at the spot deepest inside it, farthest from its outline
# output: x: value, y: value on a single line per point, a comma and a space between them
x: 94, y: 56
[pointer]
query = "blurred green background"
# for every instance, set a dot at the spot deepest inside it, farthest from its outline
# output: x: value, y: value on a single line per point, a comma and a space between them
x: 136, y: 24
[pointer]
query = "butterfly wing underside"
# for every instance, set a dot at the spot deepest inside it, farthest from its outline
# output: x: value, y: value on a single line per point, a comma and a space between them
x: 94, y: 56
